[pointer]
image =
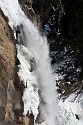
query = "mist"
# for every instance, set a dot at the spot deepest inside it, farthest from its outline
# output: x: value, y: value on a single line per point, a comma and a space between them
x: 38, y: 45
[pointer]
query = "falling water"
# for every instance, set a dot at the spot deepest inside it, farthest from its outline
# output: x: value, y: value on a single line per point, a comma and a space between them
x: 32, y: 47
x: 37, y: 45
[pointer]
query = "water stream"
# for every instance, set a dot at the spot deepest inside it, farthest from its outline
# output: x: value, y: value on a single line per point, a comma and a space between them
x: 37, y: 44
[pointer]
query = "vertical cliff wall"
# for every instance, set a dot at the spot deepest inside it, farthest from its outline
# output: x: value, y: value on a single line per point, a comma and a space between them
x: 11, y: 106
x: 7, y: 64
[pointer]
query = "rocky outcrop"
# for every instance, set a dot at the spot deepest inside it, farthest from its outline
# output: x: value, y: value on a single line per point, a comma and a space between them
x: 7, y: 64
x: 38, y: 10
x: 42, y: 8
x: 26, y: 6
x: 10, y: 98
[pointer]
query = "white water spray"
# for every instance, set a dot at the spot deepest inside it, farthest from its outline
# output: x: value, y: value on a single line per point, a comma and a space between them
x: 37, y: 45
x: 35, y: 48
x: 46, y: 83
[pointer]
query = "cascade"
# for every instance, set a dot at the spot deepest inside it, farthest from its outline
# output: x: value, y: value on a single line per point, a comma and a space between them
x: 39, y: 96
x: 37, y: 44
x: 34, y: 68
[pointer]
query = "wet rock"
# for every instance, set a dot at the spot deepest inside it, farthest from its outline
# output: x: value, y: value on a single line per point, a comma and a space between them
x: 77, y: 117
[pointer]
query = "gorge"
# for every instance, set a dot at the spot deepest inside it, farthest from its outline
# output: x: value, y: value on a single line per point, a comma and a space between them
x: 35, y: 99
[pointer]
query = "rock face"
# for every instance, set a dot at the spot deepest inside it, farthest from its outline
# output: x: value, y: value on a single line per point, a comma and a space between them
x: 26, y: 6
x: 11, y: 105
x: 7, y: 63
x: 42, y: 8
x: 38, y: 10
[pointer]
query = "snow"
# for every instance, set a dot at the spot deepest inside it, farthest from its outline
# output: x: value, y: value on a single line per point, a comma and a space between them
x: 69, y: 109
x: 30, y: 96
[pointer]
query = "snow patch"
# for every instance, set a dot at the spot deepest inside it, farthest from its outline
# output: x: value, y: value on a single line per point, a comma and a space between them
x: 71, y: 112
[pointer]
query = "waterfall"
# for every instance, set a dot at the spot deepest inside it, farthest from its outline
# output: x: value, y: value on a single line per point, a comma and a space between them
x: 37, y: 44
x: 39, y: 96
x: 33, y: 52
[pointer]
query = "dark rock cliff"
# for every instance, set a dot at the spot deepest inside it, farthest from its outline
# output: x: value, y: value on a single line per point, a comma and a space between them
x: 7, y: 65
x: 38, y: 10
